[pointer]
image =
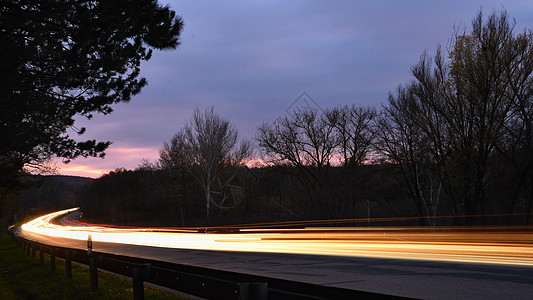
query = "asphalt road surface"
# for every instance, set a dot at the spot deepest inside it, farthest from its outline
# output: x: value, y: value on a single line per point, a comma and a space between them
x: 402, y: 277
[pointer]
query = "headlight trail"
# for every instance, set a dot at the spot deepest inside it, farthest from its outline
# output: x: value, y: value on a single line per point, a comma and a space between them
x: 490, y: 245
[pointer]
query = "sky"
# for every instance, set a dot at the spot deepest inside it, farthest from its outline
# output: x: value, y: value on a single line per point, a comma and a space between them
x: 255, y: 60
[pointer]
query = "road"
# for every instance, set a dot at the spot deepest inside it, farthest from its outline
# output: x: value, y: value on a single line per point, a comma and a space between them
x: 416, y: 278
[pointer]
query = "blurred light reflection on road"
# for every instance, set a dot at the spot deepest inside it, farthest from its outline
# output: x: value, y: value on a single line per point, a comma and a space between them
x: 493, y: 245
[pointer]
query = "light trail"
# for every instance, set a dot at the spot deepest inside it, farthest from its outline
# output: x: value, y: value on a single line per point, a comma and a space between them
x: 490, y: 245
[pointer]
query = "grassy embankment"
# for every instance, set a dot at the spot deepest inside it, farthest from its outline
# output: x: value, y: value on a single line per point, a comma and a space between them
x: 22, y: 277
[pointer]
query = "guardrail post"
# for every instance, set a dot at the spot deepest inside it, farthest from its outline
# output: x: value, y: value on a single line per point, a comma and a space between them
x: 33, y: 252
x: 146, y: 271
x: 41, y: 254
x: 260, y: 290
x: 28, y: 248
x: 89, y: 245
x: 52, y: 259
x: 93, y: 271
x: 138, y: 287
x: 68, y: 264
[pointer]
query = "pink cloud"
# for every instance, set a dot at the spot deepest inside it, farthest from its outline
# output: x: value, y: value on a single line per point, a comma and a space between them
x: 81, y: 170
x: 123, y: 157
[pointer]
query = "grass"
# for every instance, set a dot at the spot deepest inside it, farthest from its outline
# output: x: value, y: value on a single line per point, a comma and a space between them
x: 22, y: 277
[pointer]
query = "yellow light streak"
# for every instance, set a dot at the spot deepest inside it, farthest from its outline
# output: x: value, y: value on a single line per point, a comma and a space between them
x: 472, y: 244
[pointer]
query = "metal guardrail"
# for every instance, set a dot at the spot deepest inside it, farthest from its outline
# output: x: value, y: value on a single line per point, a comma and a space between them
x: 198, y: 281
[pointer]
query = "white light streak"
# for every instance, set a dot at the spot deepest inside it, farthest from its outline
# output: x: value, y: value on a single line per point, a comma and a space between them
x: 472, y: 246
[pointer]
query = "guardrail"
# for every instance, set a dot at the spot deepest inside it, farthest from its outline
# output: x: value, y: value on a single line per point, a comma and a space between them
x: 198, y: 281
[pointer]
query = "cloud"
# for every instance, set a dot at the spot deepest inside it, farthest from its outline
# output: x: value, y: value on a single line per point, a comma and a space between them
x: 82, y: 170
x: 115, y: 158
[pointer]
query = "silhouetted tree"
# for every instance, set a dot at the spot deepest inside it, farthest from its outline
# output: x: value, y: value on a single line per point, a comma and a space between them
x: 355, y: 132
x: 304, y: 145
x: 63, y: 58
x: 516, y: 147
x: 404, y: 144
x: 309, y: 145
x: 207, y: 147
x: 460, y: 108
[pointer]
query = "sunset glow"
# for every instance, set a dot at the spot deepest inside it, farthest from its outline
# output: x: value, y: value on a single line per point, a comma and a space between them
x: 115, y: 158
x: 81, y: 170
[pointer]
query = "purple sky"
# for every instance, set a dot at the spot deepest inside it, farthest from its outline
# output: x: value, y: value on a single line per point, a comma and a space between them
x: 252, y: 59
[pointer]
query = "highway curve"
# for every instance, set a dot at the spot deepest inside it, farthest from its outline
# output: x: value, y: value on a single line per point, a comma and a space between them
x: 473, y: 263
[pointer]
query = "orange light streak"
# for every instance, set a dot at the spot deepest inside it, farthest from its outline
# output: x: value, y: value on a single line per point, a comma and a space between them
x: 471, y: 245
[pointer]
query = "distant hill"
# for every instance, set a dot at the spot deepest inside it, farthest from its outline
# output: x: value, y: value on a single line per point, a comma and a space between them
x: 50, y: 193
x: 71, y: 181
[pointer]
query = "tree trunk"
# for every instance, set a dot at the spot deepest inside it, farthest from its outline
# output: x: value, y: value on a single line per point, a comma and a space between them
x: 207, y: 201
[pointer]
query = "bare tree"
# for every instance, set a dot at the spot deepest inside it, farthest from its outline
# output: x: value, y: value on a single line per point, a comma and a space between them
x: 311, y: 143
x: 306, y: 139
x: 517, y: 144
x: 207, y: 147
x: 355, y: 132
x: 460, y: 107
x: 305, y: 142
x: 405, y: 145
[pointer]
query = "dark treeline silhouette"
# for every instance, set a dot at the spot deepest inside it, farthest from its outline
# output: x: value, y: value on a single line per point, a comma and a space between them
x: 269, y: 194
x: 46, y: 194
